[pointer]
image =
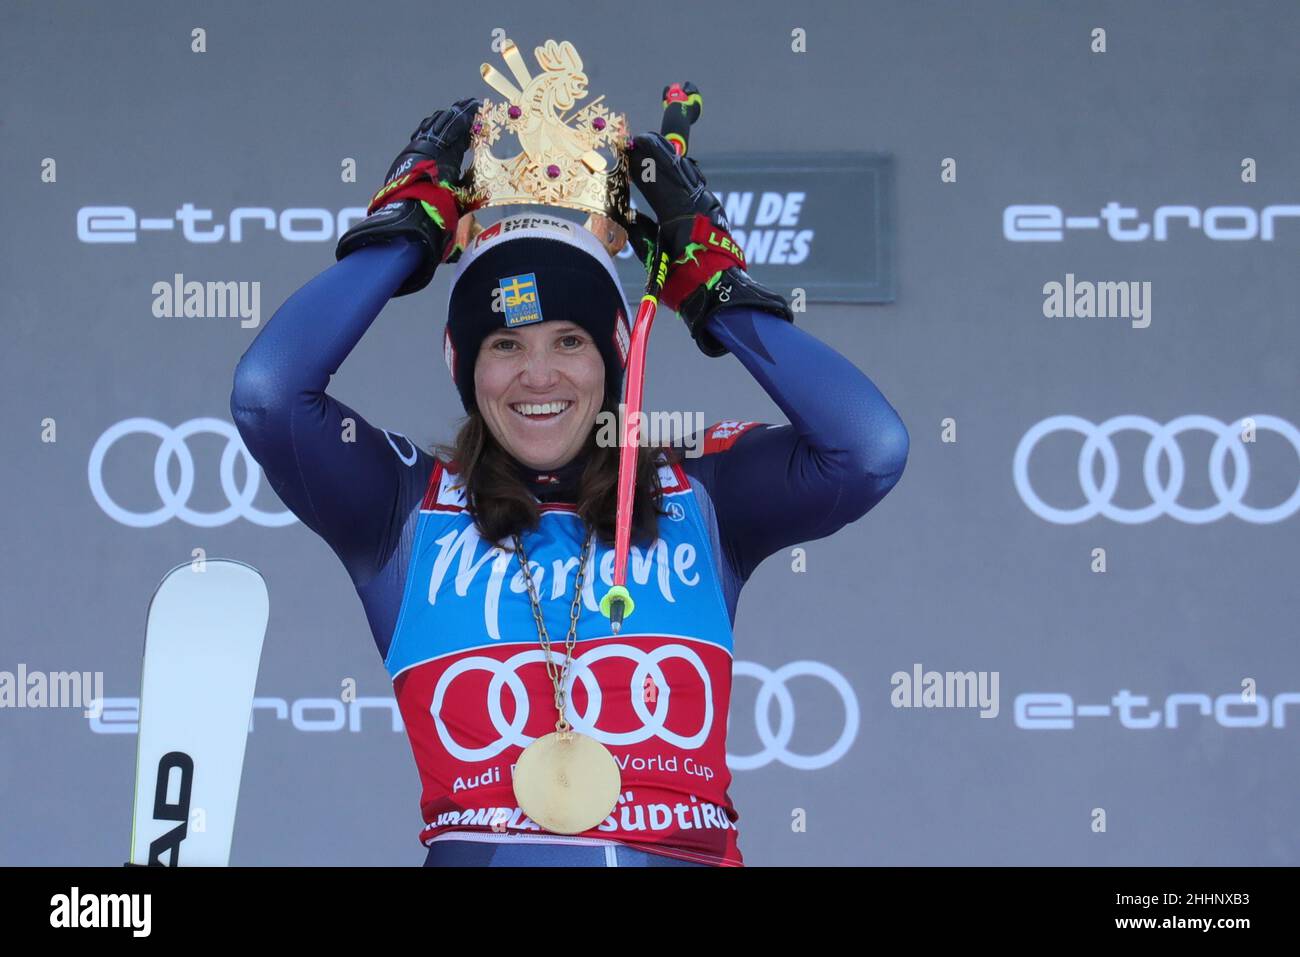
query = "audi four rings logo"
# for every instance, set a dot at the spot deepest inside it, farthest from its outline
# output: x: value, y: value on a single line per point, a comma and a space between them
x: 774, y: 743
x: 505, y: 674
x: 1164, y: 496
x: 174, y: 500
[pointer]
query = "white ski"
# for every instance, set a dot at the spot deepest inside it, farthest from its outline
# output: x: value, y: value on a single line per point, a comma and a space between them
x: 203, y: 644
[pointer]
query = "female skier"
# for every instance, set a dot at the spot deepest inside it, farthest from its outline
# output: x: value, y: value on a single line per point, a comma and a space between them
x: 476, y: 562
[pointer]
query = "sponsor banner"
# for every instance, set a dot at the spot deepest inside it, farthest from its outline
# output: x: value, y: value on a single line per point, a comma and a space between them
x: 782, y: 695
x: 824, y: 224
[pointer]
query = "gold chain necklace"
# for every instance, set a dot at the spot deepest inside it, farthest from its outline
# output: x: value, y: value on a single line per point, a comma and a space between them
x: 565, y: 781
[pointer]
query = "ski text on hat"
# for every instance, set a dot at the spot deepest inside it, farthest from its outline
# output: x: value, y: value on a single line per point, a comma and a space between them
x: 519, y: 297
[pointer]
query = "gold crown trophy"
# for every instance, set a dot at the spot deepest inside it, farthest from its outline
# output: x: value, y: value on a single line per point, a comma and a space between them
x: 559, y: 162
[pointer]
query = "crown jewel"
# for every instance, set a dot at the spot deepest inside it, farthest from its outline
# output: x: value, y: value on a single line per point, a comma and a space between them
x: 559, y: 162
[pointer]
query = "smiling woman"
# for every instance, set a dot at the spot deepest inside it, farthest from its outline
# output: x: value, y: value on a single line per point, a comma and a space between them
x: 539, y: 388
x: 468, y: 559
x: 536, y: 341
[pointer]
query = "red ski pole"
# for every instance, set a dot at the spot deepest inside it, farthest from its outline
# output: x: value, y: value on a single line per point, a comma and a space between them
x: 682, y: 105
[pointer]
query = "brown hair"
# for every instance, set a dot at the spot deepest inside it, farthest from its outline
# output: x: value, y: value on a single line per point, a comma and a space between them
x: 502, y: 504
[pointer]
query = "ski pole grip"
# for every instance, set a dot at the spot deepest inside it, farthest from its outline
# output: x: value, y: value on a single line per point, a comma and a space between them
x: 682, y: 106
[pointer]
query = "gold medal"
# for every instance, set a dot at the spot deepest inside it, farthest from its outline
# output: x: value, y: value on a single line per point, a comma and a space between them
x: 565, y: 781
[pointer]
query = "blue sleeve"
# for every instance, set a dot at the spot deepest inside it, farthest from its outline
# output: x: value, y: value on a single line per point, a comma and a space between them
x: 342, y: 481
x: 844, y: 449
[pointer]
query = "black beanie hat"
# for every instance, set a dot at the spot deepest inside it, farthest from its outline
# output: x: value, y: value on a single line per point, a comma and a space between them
x: 546, y: 268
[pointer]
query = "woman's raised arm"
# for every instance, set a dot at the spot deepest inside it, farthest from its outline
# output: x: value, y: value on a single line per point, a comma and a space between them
x: 339, y: 479
x: 334, y: 470
x: 843, y: 451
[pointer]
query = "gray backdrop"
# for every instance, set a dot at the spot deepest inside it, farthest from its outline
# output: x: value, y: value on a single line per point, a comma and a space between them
x: 953, y: 570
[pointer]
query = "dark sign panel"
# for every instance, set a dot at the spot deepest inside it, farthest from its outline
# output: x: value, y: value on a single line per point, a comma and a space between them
x: 824, y: 224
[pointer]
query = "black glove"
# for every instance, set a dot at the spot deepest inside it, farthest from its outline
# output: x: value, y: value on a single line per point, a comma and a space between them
x: 706, y: 269
x: 420, y: 198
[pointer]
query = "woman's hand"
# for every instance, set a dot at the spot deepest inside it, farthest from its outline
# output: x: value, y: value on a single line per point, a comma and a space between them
x: 419, y: 199
x: 706, y: 269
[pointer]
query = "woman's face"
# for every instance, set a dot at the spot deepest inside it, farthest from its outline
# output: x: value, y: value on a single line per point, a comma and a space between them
x: 539, y: 388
